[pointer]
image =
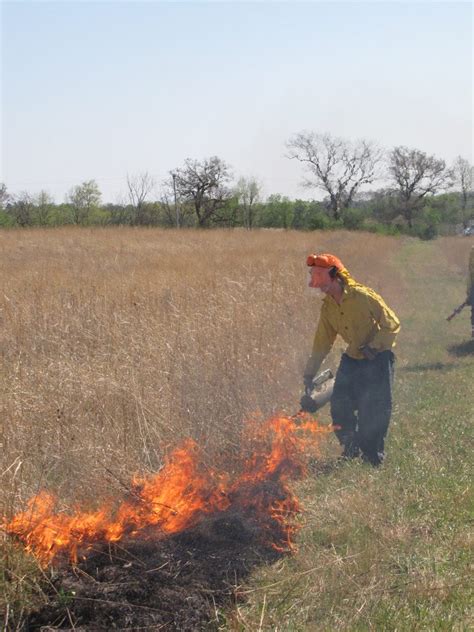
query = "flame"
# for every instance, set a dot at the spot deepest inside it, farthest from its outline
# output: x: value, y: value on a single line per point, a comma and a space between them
x: 182, y: 494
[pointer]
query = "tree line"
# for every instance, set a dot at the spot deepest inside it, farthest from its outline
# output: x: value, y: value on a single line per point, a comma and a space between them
x: 420, y: 193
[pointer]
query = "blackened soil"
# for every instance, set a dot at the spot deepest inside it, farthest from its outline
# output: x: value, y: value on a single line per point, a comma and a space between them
x: 174, y: 583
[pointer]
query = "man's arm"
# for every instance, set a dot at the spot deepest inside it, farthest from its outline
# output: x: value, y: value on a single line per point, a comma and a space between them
x: 323, y: 341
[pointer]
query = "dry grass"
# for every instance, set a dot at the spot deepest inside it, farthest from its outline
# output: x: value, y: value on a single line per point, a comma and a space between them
x: 117, y: 343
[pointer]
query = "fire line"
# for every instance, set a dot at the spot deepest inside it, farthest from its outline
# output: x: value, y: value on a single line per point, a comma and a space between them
x: 182, y: 494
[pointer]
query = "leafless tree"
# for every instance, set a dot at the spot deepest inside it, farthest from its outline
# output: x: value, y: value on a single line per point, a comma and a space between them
x: 336, y: 166
x: 175, y: 212
x: 416, y: 175
x: 248, y: 194
x: 204, y: 185
x: 463, y: 178
x: 139, y: 187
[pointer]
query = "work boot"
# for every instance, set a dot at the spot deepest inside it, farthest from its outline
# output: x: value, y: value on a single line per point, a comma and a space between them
x: 351, y: 449
x: 375, y: 458
x: 352, y: 452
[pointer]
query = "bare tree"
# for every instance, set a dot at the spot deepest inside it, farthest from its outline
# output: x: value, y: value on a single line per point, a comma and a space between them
x: 416, y: 175
x: 336, y: 166
x: 139, y: 187
x: 174, y: 211
x: 204, y: 185
x: 463, y: 177
x: 248, y: 194
x: 83, y: 198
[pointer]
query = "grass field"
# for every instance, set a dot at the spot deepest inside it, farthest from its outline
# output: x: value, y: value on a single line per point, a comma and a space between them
x: 116, y: 344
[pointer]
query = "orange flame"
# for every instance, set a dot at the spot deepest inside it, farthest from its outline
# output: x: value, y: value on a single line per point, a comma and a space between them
x: 182, y: 494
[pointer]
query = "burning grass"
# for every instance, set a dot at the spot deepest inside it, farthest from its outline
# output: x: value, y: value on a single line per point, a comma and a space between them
x: 215, y: 525
x: 182, y: 494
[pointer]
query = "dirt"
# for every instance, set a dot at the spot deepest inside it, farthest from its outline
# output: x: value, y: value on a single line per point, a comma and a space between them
x: 173, y: 583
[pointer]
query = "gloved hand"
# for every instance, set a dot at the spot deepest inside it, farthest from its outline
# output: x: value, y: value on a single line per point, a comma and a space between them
x: 368, y: 352
x: 308, y: 405
x: 308, y: 384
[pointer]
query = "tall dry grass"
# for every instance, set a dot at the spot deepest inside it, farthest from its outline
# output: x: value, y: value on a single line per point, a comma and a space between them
x: 117, y: 343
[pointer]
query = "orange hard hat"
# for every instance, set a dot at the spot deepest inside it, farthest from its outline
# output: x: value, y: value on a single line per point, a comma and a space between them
x: 324, y: 261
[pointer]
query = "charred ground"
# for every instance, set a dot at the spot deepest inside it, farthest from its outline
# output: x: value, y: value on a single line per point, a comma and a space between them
x: 177, y: 583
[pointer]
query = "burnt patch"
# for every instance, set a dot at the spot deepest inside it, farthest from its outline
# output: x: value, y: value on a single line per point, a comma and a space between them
x: 176, y: 583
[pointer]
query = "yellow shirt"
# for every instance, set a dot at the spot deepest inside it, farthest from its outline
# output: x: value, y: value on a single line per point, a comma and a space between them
x: 362, y: 318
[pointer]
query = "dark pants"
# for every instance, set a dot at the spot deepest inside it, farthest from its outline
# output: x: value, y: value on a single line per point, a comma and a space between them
x: 361, y: 405
x: 471, y: 303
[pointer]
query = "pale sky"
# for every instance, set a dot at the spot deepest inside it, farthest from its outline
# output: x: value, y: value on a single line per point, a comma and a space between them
x: 96, y: 90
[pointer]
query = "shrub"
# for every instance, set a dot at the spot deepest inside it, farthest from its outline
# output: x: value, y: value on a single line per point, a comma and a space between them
x: 353, y: 218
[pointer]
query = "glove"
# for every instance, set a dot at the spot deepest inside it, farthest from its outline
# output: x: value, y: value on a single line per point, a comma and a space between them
x: 368, y: 352
x: 308, y: 384
x: 307, y: 404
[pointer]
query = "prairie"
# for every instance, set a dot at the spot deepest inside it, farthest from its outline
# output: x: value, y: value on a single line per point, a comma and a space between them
x: 116, y: 344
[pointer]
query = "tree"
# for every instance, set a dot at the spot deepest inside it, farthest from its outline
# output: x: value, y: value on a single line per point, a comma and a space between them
x: 21, y: 210
x: 43, y: 207
x: 204, y: 185
x: 175, y: 212
x: 4, y: 196
x: 299, y: 221
x: 248, y: 195
x: 463, y: 176
x: 119, y: 213
x: 277, y: 212
x: 83, y: 199
x: 336, y: 166
x: 139, y: 187
x: 416, y: 175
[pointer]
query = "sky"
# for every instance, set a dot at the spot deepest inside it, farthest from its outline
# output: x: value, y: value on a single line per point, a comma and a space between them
x: 99, y: 90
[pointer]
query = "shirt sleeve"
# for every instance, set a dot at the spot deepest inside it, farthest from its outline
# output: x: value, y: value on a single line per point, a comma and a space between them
x: 387, y: 322
x: 323, y: 341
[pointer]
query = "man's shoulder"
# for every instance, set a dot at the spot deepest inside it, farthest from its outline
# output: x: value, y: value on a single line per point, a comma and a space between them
x: 354, y: 289
x: 357, y: 290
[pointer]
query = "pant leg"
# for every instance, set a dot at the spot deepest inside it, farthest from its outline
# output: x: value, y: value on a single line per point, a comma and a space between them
x: 375, y: 405
x: 343, y: 405
x: 471, y: 303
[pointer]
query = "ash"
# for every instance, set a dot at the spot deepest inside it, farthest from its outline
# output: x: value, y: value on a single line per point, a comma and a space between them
x: 173, y: 583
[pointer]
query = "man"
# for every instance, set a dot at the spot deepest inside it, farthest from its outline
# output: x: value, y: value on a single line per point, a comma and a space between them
x: 470, y: 288
x: 361, y: 404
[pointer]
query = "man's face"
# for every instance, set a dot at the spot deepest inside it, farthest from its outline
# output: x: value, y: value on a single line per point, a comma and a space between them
x: 319, y: 278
